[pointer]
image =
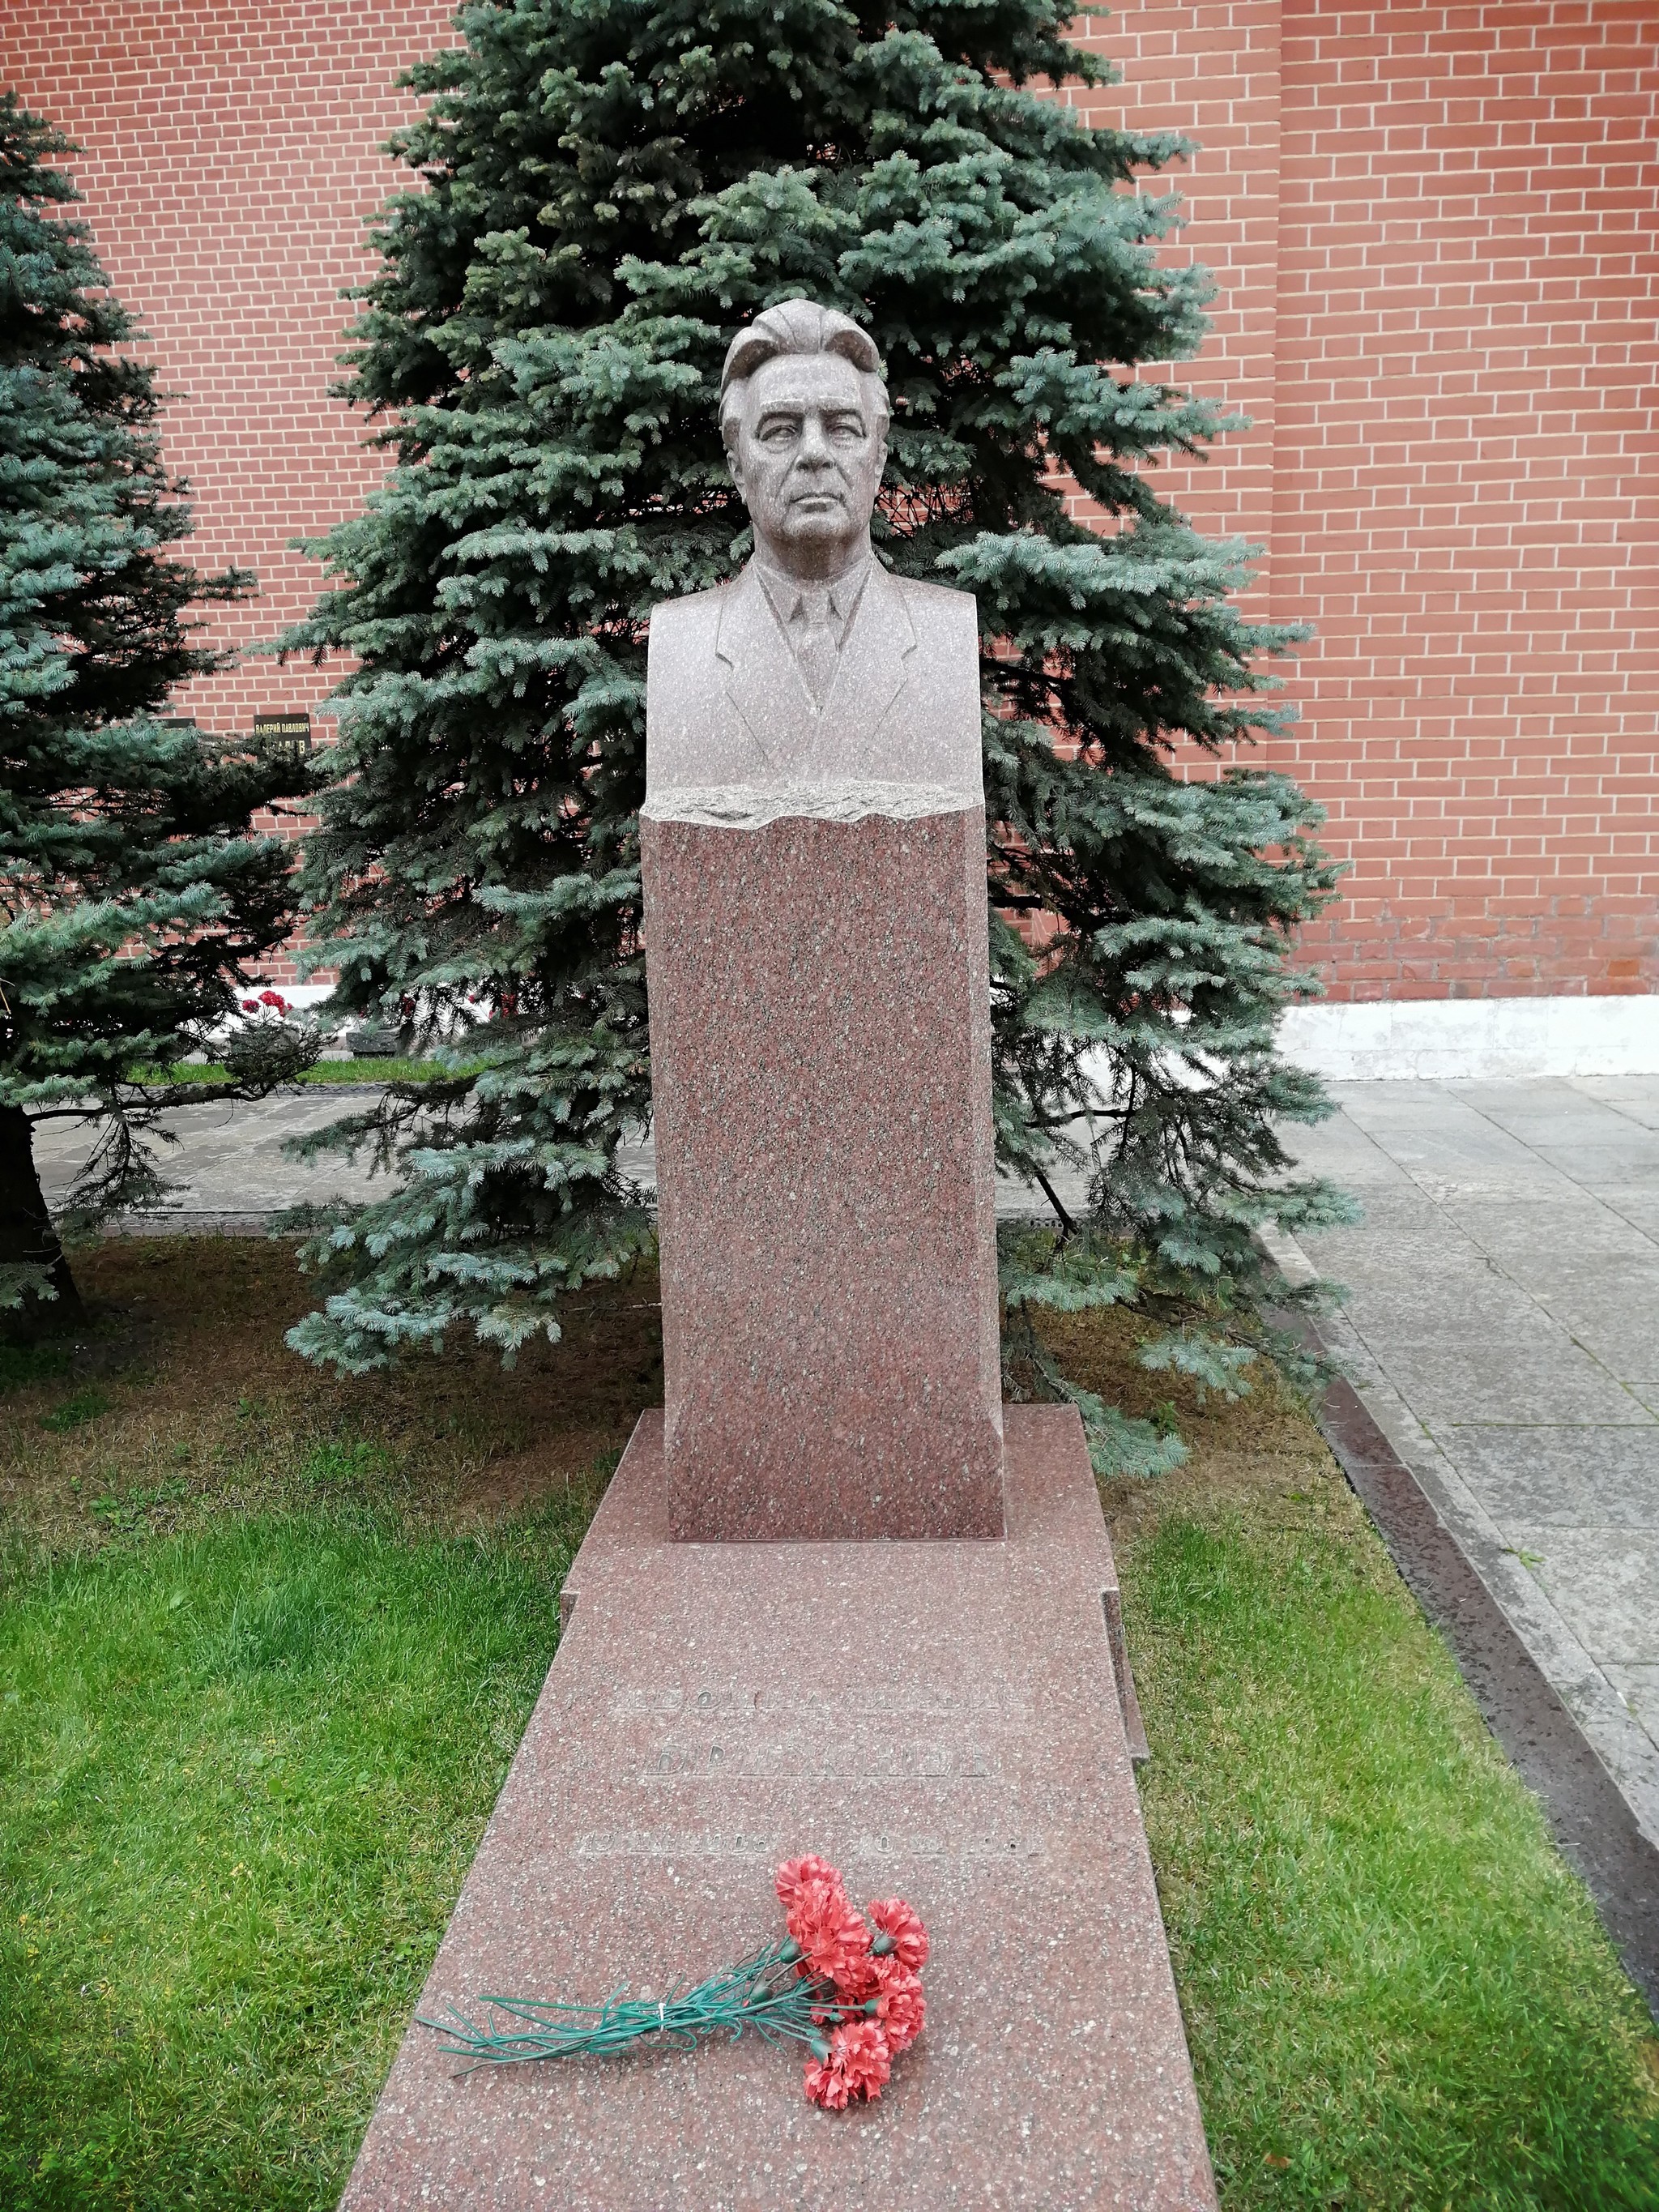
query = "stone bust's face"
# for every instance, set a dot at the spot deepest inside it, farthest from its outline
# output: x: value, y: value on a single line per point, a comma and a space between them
x: 807, y: 457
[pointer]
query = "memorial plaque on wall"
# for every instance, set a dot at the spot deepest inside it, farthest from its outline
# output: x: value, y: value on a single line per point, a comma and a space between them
x: 287, y: 736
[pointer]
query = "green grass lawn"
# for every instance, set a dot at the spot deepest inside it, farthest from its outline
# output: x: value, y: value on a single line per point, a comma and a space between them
x: 324, y: 1072
x: 245, y: 1768
x: 1396, y: 1992
x: 267, y: 1641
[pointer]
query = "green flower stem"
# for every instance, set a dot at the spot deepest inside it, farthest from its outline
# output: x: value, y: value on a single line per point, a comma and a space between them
x: 764, y: 1992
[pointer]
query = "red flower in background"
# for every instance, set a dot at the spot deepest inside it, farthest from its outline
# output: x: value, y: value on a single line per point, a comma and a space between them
x: 250, y: 1006
x: 859, y: 2065
x: 274, y: 999
x: 902, y: 1925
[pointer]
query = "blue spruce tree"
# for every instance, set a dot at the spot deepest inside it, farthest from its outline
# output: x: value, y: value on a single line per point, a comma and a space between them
x: 607, y: 191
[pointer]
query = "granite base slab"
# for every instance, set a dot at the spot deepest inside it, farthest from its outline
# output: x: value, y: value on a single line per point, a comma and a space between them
x: 941, y: 1719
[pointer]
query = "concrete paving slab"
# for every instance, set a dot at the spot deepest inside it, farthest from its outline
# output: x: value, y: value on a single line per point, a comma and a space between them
x: 224, y: 1159
x: 1464, y: 1148
x: 1552, y: 1107
x: 1635, y: 1097
x: 1564, y: 1478
x: 1606, y: 1312
x: 1614, y: 1167
x: 1551, y: 1241
x: 1340, y: 1148
x: 1588, y: 1267
x: 1538, y: 1381
x: 1639, y: 1688
x: 1606, y: 1584
x: 1475, y: 1348
x: 1393, y: 1274
x: 1442, y: 1141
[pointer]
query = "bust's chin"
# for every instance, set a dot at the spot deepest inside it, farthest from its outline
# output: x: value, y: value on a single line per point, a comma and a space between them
x: 814, y: 545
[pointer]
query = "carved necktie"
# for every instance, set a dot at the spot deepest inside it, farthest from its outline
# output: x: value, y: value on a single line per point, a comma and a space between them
x: 815, y: 634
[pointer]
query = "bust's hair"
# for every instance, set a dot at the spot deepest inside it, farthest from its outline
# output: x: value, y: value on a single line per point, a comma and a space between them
x: 797, y: 327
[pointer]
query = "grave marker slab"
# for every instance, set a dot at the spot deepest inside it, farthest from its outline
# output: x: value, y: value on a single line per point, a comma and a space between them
x: 941, y: 1720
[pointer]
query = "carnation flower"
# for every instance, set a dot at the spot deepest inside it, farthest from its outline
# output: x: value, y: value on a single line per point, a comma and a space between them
x: 274, y: 999
x: 902, y: 1925
x: 901, y: 2008
x: 827, y: 2085
x: 855, y: 1977
x: 793, y: 1872
x: 834, y: 1940
x: 857, y: 2065
x: 250, y: 1006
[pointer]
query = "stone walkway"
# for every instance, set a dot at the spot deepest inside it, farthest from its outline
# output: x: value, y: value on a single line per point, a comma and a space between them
x: 228, y: 1164
x: 229, y: 1171
x: 1503, y: 1329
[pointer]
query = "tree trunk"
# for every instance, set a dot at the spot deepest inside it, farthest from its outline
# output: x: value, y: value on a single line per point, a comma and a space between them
x: 28, y: 1237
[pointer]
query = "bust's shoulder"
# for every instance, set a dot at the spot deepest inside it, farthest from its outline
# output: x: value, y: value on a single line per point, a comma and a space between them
x: 938, y: 607
x: 680, y: 621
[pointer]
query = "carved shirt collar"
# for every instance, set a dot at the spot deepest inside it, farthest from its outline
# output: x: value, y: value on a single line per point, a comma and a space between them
x: 801, y: 608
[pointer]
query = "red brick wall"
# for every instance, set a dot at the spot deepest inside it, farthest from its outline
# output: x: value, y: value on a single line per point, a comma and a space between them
x: 1468, y: 493
x: 1454, y: 275
x: 1212, y: 71
x: 1435, y: 229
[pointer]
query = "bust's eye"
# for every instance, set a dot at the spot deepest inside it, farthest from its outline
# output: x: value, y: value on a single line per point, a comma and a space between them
x: 847, y: 429
x: 780, y: 431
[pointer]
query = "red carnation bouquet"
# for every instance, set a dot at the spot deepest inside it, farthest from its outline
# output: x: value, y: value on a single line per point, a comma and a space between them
x: 846, y: 1984
x: 873, y: 1967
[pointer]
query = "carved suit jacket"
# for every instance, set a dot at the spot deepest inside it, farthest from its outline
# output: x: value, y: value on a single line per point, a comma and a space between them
x: 732, y: 734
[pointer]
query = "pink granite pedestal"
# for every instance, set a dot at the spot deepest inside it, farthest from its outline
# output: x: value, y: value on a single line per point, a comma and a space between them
x: 821, y: 1068
x: 942, y: 1720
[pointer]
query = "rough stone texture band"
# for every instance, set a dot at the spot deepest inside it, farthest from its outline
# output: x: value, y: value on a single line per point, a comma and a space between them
x: 754, y: 806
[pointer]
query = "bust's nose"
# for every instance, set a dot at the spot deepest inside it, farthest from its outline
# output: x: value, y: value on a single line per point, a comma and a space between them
x: 815, y: 452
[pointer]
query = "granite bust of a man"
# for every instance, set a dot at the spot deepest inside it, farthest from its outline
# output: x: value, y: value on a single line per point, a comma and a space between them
x: 816, y: 682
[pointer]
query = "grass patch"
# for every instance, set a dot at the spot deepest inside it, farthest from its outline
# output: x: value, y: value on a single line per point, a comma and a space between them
x: 1396, y: 1992
x: 81, y: 1407
x: 267, y: 1641
x: 244, y: 1771
x: 208, y: 1413
x: 23, y: 1364
x: 324, y: 1072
